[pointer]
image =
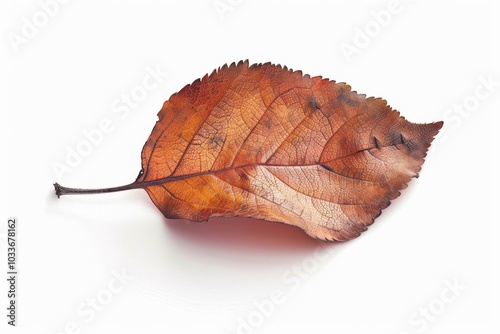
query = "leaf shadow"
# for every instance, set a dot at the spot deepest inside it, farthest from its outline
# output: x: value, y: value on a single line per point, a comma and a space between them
x: 237, y: 259
x: 243, y: 234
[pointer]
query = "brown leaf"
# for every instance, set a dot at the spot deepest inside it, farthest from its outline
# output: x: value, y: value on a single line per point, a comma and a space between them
x: 270, y: 143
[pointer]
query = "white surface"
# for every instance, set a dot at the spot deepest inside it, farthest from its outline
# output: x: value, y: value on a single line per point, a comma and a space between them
x: 203, y: 278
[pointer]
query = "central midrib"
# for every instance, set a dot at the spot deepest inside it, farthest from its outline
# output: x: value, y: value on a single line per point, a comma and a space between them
x: 143, y: 184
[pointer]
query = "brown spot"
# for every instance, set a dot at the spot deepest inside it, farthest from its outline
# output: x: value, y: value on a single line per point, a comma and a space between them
x: 216, y: 141
x: 344, y: 97
x: 395, y: 138
x: 313, y: 103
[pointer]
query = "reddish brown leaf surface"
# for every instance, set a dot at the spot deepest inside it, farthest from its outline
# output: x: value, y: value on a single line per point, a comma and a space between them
x: 267, y: 142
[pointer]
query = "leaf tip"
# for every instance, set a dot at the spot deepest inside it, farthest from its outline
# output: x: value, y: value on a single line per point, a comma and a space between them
x: 438, y: 125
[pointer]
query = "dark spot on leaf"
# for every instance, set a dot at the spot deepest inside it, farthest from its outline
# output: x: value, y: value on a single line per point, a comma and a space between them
x: 328, y: 168
x: 395, y: 138
x: 343, y: 96
x: 313, y: 103
x: 216, y: 141
x: 268, y: 123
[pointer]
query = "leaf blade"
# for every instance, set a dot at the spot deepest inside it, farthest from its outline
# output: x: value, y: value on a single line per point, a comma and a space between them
x: 266, y: 142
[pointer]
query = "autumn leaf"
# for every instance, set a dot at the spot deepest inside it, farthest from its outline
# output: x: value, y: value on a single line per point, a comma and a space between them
x: 267, y: 142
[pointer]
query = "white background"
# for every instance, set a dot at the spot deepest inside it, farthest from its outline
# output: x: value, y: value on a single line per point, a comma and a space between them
x: 205, y: 278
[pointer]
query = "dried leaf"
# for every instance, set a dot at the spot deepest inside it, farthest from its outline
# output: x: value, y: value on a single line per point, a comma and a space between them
x: 266, y: 142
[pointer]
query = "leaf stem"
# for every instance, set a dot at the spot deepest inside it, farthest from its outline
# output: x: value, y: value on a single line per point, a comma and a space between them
x: 61, y: 190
